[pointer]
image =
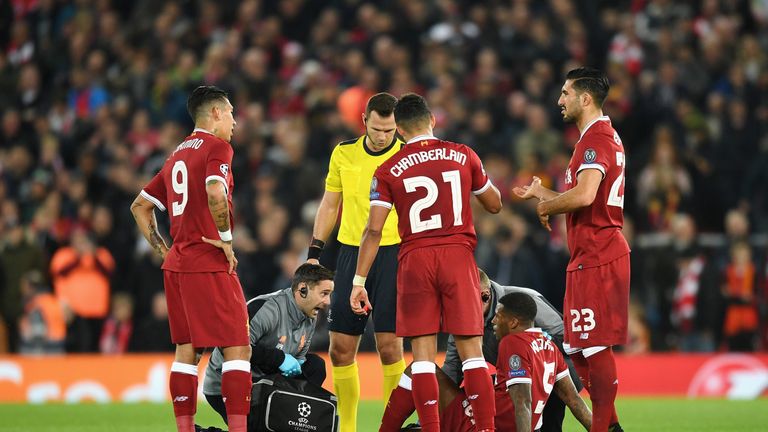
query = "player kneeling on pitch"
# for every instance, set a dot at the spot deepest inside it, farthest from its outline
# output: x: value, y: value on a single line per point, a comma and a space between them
x: 282, y: 324
x: 528, y: 368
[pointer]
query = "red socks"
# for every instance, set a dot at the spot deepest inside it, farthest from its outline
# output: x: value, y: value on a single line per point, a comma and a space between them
x: 603, y: 386
x: 479, y: 390
x: 426, y: 395
x: 236, y: 390
x: 399, y: 407
x: 183, y: 386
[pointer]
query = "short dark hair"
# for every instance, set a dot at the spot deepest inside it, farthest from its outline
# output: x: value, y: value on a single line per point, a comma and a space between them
x: 201, y: 97
x: 411, y: 110
x: 310, y: 274
x: 592, y: 81
x: 485, y: 281
x: 382, y: 103
x: 520, y: 305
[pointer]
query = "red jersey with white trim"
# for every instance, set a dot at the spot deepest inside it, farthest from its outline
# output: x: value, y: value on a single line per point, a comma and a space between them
x: 531, y: 358
x: 429, y: 182
x: 179, y: 187
x: 594, y: 232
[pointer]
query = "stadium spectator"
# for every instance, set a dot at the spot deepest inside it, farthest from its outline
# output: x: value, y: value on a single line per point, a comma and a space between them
x: 80, y: 275
x: 152, y: 333
x: 739, y: 289
x: 118, y: 327
x: 42, y: 327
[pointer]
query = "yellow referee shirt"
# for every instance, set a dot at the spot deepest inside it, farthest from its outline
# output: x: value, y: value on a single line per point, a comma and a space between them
x: 350, y: 172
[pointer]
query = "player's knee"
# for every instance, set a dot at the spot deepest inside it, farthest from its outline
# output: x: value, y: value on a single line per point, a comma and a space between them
x: 390, y: 350
x: 237, y: 353
x: 341, y: 356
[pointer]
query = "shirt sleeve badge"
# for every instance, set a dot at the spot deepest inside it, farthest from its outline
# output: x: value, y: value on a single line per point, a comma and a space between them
x: 590, y: 155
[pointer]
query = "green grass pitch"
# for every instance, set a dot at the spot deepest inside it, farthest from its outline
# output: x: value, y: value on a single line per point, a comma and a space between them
x: 637, y: 415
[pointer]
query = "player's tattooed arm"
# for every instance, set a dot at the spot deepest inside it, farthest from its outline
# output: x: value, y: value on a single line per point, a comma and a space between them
x: 155, y: 239
x: 218, y: 205
x: 566, y: 391
x: 144, y: 213
x: 521, y: 399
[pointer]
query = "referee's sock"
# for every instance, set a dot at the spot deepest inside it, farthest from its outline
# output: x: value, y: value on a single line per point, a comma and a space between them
x: 346, y: 384
x: 392, y: 373
x: 183, y: 387
x: 399, y: 406
x: 236, y: 390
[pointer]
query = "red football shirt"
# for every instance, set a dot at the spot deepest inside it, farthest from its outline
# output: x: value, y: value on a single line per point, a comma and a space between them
x: 594, y: 232
x: 429, y: 182
x: 180, y: 188
x: 527, y: 357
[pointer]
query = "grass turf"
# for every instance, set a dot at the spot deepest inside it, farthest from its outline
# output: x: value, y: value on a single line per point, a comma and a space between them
x: 637, y: 415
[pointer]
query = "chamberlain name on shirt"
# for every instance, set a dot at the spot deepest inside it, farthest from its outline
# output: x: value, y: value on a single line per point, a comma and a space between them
x: 414, y: 159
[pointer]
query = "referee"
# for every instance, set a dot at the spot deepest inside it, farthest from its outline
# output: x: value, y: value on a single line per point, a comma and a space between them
x: 350, y: 172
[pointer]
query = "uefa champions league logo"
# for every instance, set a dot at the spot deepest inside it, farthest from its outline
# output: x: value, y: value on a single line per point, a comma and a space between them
x: 304, y: 410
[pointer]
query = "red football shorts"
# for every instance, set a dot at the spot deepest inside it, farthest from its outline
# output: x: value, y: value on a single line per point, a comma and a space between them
x: 456, y: 418
x: 596, y: 303
x: 438, y: 291
x: 206, y: 309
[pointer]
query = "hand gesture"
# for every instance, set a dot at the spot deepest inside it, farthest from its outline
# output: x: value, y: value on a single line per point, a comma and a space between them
x: 290, y: 367
x: 543, y: 217
x: 228, y: 252
x: 358, y: 300
x: 528, y: 192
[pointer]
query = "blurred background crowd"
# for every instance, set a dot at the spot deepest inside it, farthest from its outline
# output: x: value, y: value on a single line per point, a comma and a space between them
x: 93, y: 93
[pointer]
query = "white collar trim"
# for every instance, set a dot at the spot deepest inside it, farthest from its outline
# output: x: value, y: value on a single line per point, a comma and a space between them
x: 420, y: 137
x: 589, y: 125
x: 202, y: 130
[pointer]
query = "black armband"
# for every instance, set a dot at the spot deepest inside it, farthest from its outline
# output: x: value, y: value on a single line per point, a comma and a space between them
x: 315, y: 248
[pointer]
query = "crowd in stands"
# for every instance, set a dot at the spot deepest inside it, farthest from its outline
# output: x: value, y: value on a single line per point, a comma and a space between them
x: 93, y: 94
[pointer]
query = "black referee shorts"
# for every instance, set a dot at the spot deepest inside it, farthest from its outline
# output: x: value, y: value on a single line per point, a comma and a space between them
x: 381, y: 286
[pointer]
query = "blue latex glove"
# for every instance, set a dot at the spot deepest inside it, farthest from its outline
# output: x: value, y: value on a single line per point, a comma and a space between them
x: 546, y: 335
x: 290, y: 366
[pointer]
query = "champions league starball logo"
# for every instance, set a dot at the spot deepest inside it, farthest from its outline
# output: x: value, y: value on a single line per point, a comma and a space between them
x: 304, y: 409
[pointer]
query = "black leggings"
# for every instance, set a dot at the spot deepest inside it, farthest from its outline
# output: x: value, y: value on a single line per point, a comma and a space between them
x: 313, y: 370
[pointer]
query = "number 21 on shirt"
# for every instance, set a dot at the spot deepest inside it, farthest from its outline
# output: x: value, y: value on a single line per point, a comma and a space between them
x: 435, y: 221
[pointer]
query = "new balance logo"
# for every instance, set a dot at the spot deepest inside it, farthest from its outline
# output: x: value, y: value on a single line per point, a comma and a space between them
x: 584, y: 336
x: 430, y: 402
x: 180, y: 399
x: 472, y: 397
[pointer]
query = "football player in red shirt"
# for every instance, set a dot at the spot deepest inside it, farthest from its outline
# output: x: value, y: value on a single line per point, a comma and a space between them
x: 206, y: 306
x: 429, y: 182
x: 597, y: 282
x: 528, y: 368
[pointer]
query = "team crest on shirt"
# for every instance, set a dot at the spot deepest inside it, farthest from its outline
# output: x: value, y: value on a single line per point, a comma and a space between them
x: 590, y: 155
x: 224, y: 168
x: 374, y: 185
